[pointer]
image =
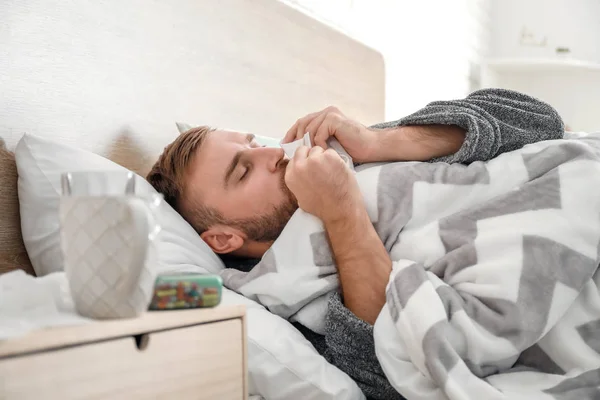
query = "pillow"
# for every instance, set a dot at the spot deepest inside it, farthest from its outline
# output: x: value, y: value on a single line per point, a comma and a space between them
x: 262, y: 140
x: 41, y: 162
x: 281, y: 363
x: 12, y: 250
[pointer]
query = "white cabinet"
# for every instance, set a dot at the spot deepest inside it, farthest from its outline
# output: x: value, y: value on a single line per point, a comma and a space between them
x: 538, y: 28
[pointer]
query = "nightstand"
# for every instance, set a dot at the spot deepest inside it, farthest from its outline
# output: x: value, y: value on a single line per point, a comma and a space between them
x: 186, y: 354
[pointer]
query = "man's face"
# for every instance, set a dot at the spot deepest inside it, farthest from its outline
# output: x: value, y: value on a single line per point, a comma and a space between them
x: 244, y: 182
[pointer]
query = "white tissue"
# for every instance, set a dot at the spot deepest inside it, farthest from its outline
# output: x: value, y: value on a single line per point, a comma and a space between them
x: 28, y: 303
x: 290, y: 148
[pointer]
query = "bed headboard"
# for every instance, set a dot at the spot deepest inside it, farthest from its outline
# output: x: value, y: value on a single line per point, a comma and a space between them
x: 113, y: 76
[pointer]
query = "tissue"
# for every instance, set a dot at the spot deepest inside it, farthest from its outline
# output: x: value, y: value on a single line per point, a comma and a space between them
x: 290, y: 148
x: 28, y: 303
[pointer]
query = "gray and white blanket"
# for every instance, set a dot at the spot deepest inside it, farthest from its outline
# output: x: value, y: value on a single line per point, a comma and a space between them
x: 494, y: 290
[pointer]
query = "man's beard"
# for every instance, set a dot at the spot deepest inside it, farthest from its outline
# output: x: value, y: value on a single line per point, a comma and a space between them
x: 268, y: 227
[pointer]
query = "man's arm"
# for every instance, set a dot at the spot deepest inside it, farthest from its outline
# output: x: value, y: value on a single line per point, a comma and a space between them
x: 363, y: 264
x: 325, y: 187
x: 485, y: 124
x: 417, y: 142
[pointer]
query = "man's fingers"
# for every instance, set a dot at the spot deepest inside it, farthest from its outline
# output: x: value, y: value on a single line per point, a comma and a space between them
x: 299, y: 128
x: 327, y: 129
x: 315, y: 151
x: 314, y: 126
x: 291, y: 134
x: 309, y: 123
x: 300, y: 154
x: 305, y: 122
x: 331, y: 153
x: 321, y: 136
x: 300, y: 132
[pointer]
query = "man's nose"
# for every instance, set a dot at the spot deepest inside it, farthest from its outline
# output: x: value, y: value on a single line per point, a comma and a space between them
x: 270, y: 156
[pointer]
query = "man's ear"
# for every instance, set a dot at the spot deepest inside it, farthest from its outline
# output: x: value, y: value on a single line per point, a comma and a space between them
x: 223, y: 239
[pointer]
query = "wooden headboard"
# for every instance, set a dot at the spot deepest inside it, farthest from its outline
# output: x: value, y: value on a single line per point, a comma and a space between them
x: 113, y: 76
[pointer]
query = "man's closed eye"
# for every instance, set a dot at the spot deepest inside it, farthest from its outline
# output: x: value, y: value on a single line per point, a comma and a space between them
x: 245, y: 174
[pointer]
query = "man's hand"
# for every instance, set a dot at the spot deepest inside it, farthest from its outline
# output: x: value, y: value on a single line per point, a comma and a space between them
x: 358, y: 140
x: 323, y: 184
x: 325, y: 187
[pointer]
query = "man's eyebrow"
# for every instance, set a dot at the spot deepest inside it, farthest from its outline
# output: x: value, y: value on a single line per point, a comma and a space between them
x: 235, y: 161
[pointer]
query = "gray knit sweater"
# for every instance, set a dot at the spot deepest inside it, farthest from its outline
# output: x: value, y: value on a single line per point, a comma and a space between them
x: 496, y: 121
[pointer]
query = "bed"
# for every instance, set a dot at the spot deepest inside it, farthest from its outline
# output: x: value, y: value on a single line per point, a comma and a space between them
x: 113, y: 77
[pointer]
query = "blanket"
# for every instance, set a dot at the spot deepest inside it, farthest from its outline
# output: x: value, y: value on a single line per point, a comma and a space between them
x: 494, y: 288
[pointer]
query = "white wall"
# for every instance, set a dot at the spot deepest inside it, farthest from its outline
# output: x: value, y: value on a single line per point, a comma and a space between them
x: 548, y: 24
x: 432, y: 48
x: 106, y: 77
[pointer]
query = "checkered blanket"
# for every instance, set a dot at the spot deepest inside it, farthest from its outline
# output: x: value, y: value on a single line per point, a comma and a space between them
x: 494, y: 289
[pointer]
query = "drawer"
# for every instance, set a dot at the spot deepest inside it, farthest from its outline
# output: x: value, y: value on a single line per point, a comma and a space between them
x: 197, y: 362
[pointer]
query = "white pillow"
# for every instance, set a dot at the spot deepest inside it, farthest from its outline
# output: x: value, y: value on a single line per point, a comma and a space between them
x: 40, y: 164
x: 281, y: 363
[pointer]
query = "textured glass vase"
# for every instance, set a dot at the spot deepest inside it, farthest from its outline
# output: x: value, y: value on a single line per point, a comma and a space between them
x: 109, y: 243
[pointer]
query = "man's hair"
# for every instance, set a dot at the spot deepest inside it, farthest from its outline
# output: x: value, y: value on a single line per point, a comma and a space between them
x: 168, y: 176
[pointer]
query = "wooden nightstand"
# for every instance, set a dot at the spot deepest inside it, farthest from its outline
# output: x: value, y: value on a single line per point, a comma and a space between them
x: 187, y: 354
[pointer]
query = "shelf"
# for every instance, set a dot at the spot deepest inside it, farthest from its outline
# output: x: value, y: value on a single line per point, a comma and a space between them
x: 541, y: 64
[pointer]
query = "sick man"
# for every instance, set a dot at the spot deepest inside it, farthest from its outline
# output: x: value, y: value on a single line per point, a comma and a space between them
x: 239, y: 196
